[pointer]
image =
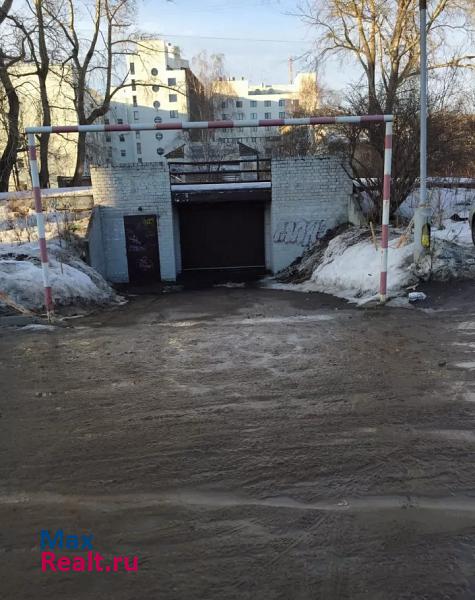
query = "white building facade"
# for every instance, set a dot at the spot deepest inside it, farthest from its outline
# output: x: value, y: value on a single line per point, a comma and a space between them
x: 160, y: 87
x: 250, y: 102
x: 157, y: 88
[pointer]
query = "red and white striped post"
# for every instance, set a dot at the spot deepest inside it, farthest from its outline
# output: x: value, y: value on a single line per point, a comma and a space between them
x: 388, y: 151
x: 35, y: 180
x: 178, y: 125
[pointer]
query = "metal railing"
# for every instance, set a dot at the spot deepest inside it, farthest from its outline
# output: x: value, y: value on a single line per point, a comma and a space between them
x: 220, y: 171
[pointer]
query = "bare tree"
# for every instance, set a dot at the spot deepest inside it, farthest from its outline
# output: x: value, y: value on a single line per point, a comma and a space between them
x: 304, y: 140
x: 450, y: 143
x: 40, y: 39
x: 93, y: 62
x: 8, y: 97
x: 382, y: 36
x: 211, y: 95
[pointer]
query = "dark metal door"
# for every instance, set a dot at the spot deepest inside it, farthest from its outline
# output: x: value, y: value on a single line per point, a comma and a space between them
x: 222, y: 235
x: 141, y: 238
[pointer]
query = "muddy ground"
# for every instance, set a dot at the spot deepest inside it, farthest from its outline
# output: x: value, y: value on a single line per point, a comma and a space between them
x: 244, y: 444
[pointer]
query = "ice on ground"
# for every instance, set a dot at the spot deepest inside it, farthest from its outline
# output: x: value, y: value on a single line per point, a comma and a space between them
x: 38, y: 327
x: 72, y: 280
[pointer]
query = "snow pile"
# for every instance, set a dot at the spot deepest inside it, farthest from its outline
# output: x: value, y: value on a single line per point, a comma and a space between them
x: 72, y: 280
x: 448, y: 260
x: 349, y: 265
x: 458, y: 232
x: 349, y: 268
x: 444, y: 201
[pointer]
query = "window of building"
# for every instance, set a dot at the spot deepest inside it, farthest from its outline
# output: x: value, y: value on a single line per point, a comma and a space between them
x: 159, y: 136
x: 240, y: 116
x: 253, y: 139
x: 122, y: 137
x: 172, y: 98
x: 225, y: 117
x: 123, y: 153
x: 224, y: 104
x: 238, y: 103
x: 281, y: 102
x: 134, y: 100
x: 254, y: 129
x: 108, y: 138
x: 267, y: 103
x: 267, y: 115
x: 120, y: 121
x: 139, y: 148
x: 156, y: 105
x: 137, y: 135
x: 155, y: 88
x: 136, y: 115
x: 139, y: 160
x: 240, y: 129
x: 172, y: 81
x: 173, y: 114
x: 253, y: 115
x: 134, y: 85
x: 106, y: 121
x: 253, y: 103
x: 282, y: 115
x: 132, y: 68
x: 160, y: 151
x: 154, y: 72
x: 157, y: 120
x: 268, y: 128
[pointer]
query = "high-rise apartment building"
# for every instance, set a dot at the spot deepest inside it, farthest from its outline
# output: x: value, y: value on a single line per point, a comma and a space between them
x: 158, y: 88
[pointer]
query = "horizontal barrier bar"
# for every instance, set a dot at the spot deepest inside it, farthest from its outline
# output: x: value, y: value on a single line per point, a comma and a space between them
x: 177, y: 125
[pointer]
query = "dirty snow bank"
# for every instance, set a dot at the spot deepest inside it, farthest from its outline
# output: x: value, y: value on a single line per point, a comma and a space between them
x: 72, y: 280
x: 349, y: 265
x: 349, y: 268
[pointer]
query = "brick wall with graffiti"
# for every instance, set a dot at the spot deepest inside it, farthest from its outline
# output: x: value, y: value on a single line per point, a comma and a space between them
x: 309, y: 196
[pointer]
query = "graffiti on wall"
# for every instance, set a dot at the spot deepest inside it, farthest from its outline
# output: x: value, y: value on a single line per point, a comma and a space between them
x: 301, y: 232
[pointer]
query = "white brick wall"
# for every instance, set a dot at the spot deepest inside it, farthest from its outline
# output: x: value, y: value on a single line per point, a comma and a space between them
x: 309, y: 196
x: 134, y: 190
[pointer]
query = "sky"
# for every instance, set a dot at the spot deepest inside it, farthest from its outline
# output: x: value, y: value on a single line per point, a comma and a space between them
x: 196, y: 25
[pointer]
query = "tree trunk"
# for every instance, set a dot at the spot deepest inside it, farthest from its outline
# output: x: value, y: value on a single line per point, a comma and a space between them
x: 44, y: 138
x: 8, y: 157
x: 43, y: 69
x: 80, y: 160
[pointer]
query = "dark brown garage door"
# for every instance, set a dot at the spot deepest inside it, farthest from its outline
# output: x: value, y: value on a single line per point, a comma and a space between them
x: 225, y: 235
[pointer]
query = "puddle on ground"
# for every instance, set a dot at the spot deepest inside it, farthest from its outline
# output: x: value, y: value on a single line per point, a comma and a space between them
x: 464, y: 435
x: 212, y: 499
x: 253, y: 321
x: 465, y: 365
x: 283, y: 320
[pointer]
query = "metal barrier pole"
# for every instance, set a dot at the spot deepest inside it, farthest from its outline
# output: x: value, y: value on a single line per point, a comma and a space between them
x: 40, y: 222
x: 388, y: 145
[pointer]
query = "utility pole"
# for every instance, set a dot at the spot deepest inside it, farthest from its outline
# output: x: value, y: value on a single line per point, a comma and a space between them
x: 422, y: 213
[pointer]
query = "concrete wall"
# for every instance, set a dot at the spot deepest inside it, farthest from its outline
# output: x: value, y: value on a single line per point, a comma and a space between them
x: 309, y: 196
x: 127, y: 190
x: 94, y: 240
